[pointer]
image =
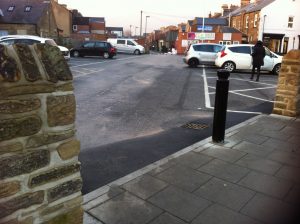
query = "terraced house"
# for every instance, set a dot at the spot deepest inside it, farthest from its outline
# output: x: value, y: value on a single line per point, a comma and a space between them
x: 276, y: 22
x: 35, y: 17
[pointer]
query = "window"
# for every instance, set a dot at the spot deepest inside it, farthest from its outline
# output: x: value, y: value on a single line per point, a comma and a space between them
x: 290, y: 21
x: 27, y: 41
x: 27, y: 8
x: 255, y: 20
x: 225, y: 42
x: 241, y: 49
x: 100, y: 44
x: 234, y: 23
x: 11, y: 8
x: 89, y: 44
x: 130, y: 43
x: 217, y: 48
x: 247, y: 21
x: 236, y: 42
x: 74, y: 27
x: 204, y: 48
x: 120, y: 41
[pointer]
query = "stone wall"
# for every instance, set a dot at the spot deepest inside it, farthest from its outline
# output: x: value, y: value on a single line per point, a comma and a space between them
x: 39, y: 170
x: 287, y: 101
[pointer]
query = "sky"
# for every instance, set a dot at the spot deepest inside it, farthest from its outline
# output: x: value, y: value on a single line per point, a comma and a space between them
x: 122, y: 13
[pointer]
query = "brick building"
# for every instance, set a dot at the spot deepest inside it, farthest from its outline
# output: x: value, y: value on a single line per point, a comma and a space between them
x: 35, y: 17
x: 207, y: 30
x: 276, y: 22
x: 88, y: 28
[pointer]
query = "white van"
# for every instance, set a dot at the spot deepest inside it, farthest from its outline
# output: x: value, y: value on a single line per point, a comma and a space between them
x: 126, y: 45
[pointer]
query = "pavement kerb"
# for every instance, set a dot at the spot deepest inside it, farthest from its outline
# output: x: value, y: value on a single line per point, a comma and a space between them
x: 104, y: 189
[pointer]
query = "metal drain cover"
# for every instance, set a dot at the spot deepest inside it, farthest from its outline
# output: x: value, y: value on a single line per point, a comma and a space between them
x: 195, y: 125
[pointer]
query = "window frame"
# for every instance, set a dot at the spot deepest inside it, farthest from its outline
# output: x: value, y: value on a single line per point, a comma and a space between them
x: 27, y: 8
x: 290, y: 22
x: 255, y: 20
x: 11, y: 8
x: 247, y: 22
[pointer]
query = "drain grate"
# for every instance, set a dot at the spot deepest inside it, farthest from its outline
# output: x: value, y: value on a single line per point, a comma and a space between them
x: 195, y: 125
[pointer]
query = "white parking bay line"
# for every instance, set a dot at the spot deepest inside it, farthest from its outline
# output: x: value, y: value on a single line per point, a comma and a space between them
x: 101, y: 62
x: 206, y: 93
x: 247, y: 80
x: 245, y: 90
x: 85, y: 74
x: 257, y: 98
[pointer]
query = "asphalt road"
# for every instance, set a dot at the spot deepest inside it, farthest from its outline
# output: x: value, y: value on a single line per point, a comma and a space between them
x: 131, y: 110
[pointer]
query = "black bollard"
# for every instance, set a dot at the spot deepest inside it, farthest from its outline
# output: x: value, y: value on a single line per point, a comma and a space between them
x: 221, y: 99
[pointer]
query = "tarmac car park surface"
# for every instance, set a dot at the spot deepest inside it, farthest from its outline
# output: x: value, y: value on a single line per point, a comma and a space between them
x: 134, y: 110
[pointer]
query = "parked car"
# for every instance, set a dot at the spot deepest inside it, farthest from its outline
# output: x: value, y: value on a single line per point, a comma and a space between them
x: 201, y: 53
x: 125, y: 45
x: 29, y: 39
x: 94, y: 48
x: 238, y: 56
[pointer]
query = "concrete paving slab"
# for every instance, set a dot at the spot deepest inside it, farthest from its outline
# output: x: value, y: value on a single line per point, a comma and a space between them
x: 125, y: 209
x: 167, y: 218
x: 225, y: 193
x: 193, y: 160
x: 217, y: 214
x: 280, y: 135
x: 266, y: 184
x: 112, y: 192
x: 224, y: 170
x: 162, y: 168
x: 88, y: 219
x: 180, y: 203
x: 254, y: 149
x: 145, y: 186
x: 223, y: 153
x: 269, y: 210
x: 284, y: 146
x: 293, y: 196
x: 252, y: 137
x: 289, y: 173
x: 287, y: 158
x: 259, y: 164
x: 183, y: 177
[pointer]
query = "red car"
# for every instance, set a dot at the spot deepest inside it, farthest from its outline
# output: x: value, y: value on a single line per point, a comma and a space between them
x: 94, y: 48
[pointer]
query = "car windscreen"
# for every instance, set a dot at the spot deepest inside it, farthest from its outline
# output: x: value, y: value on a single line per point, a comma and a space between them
x: 50, y: 42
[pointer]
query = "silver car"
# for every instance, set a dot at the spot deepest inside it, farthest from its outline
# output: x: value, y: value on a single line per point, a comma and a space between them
x: 202, y: 53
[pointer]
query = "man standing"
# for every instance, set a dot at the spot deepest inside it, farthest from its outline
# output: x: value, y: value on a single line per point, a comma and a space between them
x: 258, y: 55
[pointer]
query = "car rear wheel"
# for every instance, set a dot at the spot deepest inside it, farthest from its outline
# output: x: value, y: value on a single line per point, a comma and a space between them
x: 229, y: 66
x: 76, y: 54
x: 276, y: 69
x: 137, y: 52
x: 193, y: 62
x: 106, y: 55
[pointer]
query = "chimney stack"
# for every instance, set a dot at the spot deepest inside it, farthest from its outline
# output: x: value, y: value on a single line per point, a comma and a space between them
x: 244, y: 3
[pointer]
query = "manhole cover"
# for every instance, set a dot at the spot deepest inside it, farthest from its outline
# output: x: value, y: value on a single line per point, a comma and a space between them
x: 195, y: 125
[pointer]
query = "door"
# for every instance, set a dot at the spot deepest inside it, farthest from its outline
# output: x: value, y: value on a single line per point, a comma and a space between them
x: 130, y: 46
x: 268, y: 61
x: 121, y: 45
x: 241, y: 56
x: 99, y: 48
x: 88, y: 49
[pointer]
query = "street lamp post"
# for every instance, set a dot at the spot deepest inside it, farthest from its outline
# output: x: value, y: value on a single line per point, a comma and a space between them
x: 130, y: 30
x: 135, y: 30
x: 146, y: 25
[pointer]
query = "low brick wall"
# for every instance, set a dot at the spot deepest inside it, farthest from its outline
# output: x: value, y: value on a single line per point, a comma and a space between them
x: 287, y: 101
x: 39, y: 170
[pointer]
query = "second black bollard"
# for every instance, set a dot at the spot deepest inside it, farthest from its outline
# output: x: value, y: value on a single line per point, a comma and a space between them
x: 221, y: 99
